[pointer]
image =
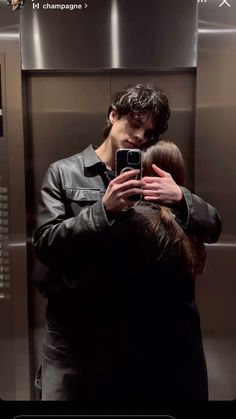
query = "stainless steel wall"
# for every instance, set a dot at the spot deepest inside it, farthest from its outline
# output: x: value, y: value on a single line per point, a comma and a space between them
x: 109, y: 34
x: 215, y: 171
x: 14, y: 344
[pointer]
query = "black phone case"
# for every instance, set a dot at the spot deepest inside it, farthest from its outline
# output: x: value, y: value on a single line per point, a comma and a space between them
x: 123, y: 165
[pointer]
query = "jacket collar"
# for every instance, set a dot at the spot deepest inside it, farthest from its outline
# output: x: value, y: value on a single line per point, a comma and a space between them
x: 90, y: 157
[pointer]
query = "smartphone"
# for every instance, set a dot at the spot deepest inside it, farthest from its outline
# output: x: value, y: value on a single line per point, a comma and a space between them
x: 127, y: 159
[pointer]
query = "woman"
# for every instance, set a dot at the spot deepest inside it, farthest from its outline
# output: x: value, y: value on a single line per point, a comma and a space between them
x: 160, y: 353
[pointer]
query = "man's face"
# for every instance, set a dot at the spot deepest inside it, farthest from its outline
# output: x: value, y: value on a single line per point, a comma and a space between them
x: 131, y: 131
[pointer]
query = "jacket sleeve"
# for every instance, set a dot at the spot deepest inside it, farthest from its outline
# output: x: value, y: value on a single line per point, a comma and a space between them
x: 198, y: 217
x: 58, y: 237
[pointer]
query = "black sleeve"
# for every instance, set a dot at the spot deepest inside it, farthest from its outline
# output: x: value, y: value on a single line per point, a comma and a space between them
x: 198, y: 217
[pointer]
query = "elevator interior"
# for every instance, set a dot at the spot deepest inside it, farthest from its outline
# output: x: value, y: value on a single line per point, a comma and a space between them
x: 56, y: 89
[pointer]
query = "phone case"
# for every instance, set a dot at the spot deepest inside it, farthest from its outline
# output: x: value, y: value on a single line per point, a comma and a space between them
x: 127, y: 159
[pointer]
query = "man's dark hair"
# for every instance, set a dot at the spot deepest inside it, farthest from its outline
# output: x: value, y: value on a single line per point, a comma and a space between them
x: 139, y: 99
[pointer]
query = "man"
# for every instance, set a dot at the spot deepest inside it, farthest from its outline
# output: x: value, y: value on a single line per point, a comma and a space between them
x: 80, y: 199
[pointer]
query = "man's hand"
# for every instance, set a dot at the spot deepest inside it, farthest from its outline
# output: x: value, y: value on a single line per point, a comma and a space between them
x: 161, y: 188
x: 120, y: 189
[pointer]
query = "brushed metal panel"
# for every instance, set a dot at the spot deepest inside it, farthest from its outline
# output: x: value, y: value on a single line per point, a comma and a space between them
x: 215, y: 172
x: 7, y: 382
x: 216, y: 110
x: 14, y: 348
x: 109, y: 34
x: 65, y: 114
x: 220, y: 354
x: 217, y: 292
x: 216, y: 296
x: 180, y: 90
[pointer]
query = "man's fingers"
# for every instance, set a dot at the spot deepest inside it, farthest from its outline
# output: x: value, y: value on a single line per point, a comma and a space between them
x: 130, y: 184
x: 151, y: 179
x: 120, y: 187
x: 158, y: 171
x: 151, y: 187
x: 151, y: 192
x: 133, y: 191
x: 126, y: 175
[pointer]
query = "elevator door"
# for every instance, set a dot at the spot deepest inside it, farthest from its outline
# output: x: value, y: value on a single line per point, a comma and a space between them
x: 65, y: 114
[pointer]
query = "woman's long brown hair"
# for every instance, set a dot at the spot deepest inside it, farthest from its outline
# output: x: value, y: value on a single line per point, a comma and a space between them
x: 172, y: 239
x: 166, y: 155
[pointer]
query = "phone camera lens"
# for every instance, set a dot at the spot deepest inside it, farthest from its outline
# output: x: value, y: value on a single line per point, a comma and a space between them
x: 133, y: 157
